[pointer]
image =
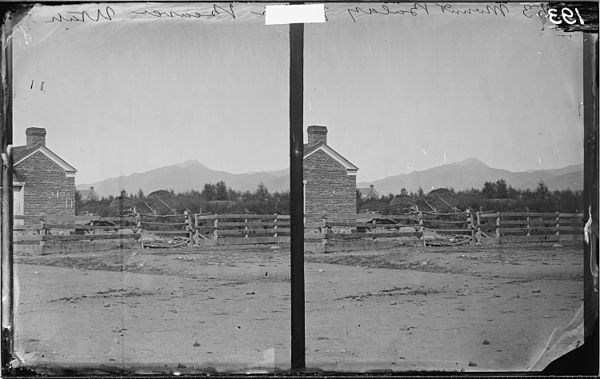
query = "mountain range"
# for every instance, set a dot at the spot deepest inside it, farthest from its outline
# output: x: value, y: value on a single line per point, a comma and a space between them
x: 473, y: 173
x: 469, y: 173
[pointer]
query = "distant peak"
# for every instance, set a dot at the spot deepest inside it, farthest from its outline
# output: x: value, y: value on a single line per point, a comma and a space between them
x: 470, y: 161
x: 190, y: 163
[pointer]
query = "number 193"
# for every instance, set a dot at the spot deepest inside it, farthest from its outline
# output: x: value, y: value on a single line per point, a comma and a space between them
x: 566, y: 14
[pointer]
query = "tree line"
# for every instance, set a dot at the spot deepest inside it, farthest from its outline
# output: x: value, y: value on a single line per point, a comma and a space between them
x: 493, y: 196
x: 213, y: 198
x: 220, y: 198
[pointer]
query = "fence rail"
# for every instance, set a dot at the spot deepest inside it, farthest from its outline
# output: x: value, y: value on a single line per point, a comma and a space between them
x: 228, y: 229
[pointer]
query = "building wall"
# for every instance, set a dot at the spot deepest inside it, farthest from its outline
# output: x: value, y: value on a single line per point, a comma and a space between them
x: 328, y: 188
x: 48, y: 191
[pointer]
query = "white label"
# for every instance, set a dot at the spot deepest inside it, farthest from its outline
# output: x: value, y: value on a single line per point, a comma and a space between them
x: 294, y: 14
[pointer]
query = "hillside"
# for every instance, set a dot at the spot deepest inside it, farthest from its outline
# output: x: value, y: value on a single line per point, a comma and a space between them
x: 472, y: 173
x: 186, y: 176
x: 469, y: 173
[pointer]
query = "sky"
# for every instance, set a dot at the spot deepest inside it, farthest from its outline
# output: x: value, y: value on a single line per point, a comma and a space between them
x: 397, y: 92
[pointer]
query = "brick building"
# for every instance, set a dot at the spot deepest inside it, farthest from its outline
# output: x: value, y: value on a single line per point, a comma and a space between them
x: 44, y: 184
x: 329, y: 179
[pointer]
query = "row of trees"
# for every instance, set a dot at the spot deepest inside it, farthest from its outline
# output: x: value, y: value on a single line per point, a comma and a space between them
x: 493, y: 196
x: 219, y: 198
x: 214, y: 198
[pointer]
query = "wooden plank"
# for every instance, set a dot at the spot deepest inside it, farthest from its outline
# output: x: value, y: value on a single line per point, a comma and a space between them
x: 530, y: 222
x: 314, y: 225
x: 362, y: 224
x: 169, y: 232
x: 312, y: 236
x: 489, y: 215
x: 85, y: 227
x: 457, y: 231
x: 571, y: 237
x: 251, y: 241
x: 574, y: 229
x: 28, y: 217
x: 239, y: 232
x: 533, y: 238
x: 132, y: 220
x: 443, y: 214
x: 444, y: 222
x: 393, y: 234
x: 402, y: 217
x: 251, y: 231
x: 89, y: 237
x: 27, y: 227
x: 153, y: 223
x: 351, y: 224
x: 572, y: 215
x: 163, y: 216
x: 271, y: 231
x: 549, y: 215
x: 236, y: 216
x: 252, y: 223
x: 530, y: 214
x: 542, y: 229
x: 205, y: 217
x: 71, y: 219
x: 26, y: 238
x: 359, y: 236
x: 543, y: 238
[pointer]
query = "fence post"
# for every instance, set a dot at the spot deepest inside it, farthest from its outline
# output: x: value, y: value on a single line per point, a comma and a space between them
x: 422, y: 228
x: 528, y: 224
x: 42, y: 232
x: 478, y: 227
x: 196, y: 230
x: 245, y: 228
x: 558, y: 225
x: 471, y: 226
x: 215, y: 227
x: 498, y: 227
x: 138, y: 226
x: 325, y: 229
x: 275, y: 229
x: 188, y: 227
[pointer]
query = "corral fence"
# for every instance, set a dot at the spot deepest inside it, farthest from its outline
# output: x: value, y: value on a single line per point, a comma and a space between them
x: 532, y: 226
x: 236, y: 229
x: 422, y: 227
x: 176, y: 230
x: 60, y: 232
x: 455, y: 228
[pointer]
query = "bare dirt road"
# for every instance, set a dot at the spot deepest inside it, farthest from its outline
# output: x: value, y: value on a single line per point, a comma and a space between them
x: 188, y: 310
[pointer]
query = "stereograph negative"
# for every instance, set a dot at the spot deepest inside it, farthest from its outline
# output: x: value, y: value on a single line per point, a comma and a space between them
x: 257, y: 188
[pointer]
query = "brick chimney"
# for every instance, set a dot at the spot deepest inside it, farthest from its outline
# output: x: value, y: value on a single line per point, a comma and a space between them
x: 35, y: 136
x: 316, y: 135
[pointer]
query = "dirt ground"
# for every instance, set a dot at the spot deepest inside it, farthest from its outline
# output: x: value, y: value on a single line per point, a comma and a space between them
x: 403, y: 308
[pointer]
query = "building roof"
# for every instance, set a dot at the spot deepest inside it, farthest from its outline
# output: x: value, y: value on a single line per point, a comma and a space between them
x: 368, y: 192
x: 21, y: 153
x: 332, y: 153
x: 88, y: 193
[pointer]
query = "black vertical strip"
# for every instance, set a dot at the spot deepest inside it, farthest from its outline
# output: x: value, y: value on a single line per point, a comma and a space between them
x: 590, y: 182
x: 296, y: 194
x: 6, y: 180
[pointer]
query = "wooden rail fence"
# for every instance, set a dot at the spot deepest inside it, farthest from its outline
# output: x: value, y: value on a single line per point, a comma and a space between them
x: 248, y: 229
x: 231, y: 229
x: 532, y: 226
x: 52, y: 231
